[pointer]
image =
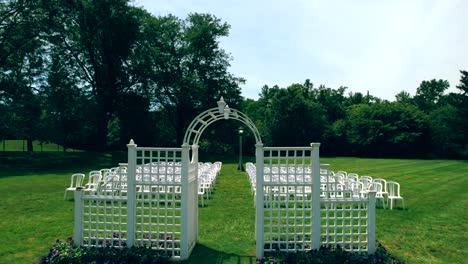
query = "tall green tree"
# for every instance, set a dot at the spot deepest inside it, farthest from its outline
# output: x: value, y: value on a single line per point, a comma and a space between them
x: 99, y: 36
x: 185, y: 70
x: 291, y: 119
x: 21, y: 68
x: 429, y: 93
x: 65, y: 107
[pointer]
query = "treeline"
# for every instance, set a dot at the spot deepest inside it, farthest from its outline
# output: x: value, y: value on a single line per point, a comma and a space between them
x: 90, y: 75
x: 432, y: 123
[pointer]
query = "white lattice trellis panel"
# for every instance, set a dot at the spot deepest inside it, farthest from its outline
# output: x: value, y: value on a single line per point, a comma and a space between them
x: 345, y: 223
x: 104, y: 222
x: 287, y: 199
x: 158, y: 199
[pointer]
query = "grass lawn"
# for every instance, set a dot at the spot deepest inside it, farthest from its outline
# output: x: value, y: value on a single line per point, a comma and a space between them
x: 21, y: 145
x: 431, y: 230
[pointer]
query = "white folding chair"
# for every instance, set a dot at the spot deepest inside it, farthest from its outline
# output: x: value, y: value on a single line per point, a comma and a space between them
x: 76, y: 181
x: 93, y: 182
x: 384, y: 186
x: 377, y: 188
x: 393, y: 189
x: 353, y: 177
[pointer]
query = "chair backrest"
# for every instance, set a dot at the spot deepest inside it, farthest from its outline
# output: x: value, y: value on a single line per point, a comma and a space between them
x: 77, y: 180
x: 342, y: 172
x: 393, y: 188
x: 104, y: 171
x: 356, y: 187
x: 383, y: 182
x: 94, y: 179
x: 353, y: 177
x: 377, y: 188
x: 367, y: 177
x: 365, y: 182
x: 94, y: 172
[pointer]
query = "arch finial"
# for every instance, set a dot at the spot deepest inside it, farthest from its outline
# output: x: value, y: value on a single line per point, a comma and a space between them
x: 221, y: 105
x: 227, y: 111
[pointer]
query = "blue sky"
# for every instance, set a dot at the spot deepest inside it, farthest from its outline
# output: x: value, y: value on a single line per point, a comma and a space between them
x: 382, y: 47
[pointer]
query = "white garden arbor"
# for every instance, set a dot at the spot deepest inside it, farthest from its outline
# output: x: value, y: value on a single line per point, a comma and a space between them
x: 191, y: 139
x: 153, y: 200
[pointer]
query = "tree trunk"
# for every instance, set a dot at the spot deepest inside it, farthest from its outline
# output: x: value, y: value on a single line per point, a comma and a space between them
x: 30, y: 145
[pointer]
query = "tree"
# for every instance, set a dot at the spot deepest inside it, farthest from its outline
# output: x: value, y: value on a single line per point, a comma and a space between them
x: 21, y: 68
x: 404, y: 97
x: 332, y: 100
x: 463, y: 86
x: 291, y: 119
x: 65, y: 107
x: 21, y: 23
x: 429, y: 93
x: 447, y: 138
x: 99, y: 36
x: 185, y: 71
x: 387, y: 129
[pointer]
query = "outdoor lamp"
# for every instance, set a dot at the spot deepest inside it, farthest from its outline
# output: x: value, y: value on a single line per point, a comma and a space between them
x: 240, y: 167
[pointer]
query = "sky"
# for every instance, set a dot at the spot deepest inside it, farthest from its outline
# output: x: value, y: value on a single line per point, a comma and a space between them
x: 383, y: 47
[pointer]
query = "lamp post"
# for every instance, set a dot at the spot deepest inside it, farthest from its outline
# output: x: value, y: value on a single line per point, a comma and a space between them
x: 240, y: 167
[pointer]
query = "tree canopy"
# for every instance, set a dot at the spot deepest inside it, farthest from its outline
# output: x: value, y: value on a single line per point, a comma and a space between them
x: 93, y: 74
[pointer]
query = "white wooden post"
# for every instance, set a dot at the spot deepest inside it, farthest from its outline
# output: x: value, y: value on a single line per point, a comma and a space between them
x: 184, y: 235
x: 371, y: 224
x: 194, y: 161
x: 131, y: 193
x: 315, y: 195
x: 78, y: 234
x: 259, y: 216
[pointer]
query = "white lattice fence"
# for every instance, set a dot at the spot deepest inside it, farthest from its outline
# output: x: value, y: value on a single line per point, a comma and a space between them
x: 138, y: 206
x: 158, y: 199
x: 347, y: 217
x: 101, y: 215
x: 288, y: 203
x: 305, y: 207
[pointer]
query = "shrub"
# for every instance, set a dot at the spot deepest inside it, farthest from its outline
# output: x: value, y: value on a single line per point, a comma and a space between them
x: 67, y: 252
x: 329, y: 255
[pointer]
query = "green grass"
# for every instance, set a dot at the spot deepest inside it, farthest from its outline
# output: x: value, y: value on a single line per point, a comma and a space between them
x: 431, y: 230
x: 21, y: 145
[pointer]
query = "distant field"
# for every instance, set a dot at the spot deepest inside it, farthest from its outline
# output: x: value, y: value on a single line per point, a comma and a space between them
x: 21, y: 145
x: 432, y: 229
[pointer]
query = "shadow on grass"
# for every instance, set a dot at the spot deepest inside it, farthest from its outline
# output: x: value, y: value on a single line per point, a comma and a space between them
x: 23, y: 163
x: 204, y: 254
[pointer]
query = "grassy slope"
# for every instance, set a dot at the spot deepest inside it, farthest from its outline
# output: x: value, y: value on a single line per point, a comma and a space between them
x: 431, y: 230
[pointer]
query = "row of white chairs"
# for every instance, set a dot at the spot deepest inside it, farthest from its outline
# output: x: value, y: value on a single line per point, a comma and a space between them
x: 385, y: 190
x: 207, y: 173
x: 333, y: 185
x: 115, y: 179
x: 96, y: 178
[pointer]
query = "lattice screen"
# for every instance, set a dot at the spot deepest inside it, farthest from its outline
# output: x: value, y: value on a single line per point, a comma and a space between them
x: 346, y: 224
x: 287, y: 199
x: 104, y: 213
x: 344, y: 217
x: 158, y: 199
